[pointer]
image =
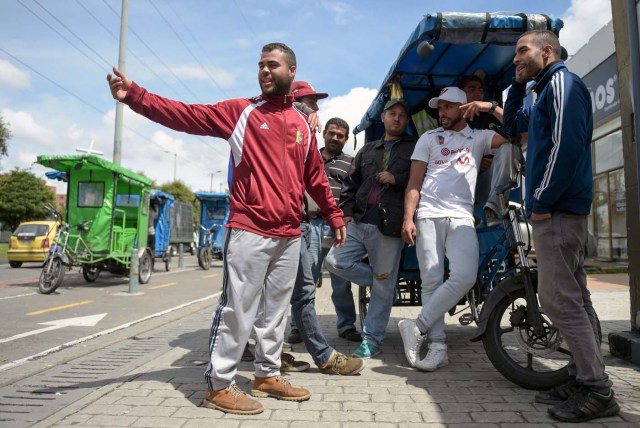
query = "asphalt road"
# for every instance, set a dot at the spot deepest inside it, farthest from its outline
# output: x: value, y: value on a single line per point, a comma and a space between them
x: 78, y: 318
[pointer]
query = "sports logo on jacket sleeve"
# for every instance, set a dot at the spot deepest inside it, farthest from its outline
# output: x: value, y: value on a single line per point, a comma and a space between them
x: 299, y: 135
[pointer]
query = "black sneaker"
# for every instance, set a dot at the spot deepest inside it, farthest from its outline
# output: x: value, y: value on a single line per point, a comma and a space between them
x: 247, y: 355
x: 351, y: 335
x: 294, y: 337
x: 558, y: 394
x: 585, y: 405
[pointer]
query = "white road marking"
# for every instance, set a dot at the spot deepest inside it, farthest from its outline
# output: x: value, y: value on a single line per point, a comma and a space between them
x: 21, y: 361
x: 88, y: 321
x: 16, y: 296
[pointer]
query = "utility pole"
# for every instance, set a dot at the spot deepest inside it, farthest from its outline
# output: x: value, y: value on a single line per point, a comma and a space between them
x: 626, y: 344
x: 122, y: 62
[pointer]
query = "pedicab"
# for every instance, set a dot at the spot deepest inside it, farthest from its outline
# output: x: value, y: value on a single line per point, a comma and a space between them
x: 160, y: 212
x: 518, y: 338
x: 106, y: 221
x: 214, y: 213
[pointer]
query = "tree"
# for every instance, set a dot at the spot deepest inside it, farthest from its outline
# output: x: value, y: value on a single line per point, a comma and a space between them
x: 23, y: 197
x: 182, y: 193
x: 5, y: 136
x: 144, y: 174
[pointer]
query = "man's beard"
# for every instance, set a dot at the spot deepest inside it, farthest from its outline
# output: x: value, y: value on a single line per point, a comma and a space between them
x: 279, y: 86
x: 453, y: 122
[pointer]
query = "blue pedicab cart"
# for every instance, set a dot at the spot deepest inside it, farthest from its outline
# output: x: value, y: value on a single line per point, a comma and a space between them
x: 214, y: 213
x: 519, y: 340
x: 160, y: 208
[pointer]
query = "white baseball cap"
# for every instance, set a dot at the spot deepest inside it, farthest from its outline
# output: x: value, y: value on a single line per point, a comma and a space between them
x: 452, y: 94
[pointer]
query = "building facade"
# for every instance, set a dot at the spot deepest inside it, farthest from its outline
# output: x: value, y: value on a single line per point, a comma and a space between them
x: 595, y: 63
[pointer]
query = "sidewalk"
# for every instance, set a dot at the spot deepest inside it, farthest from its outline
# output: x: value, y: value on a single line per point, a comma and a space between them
x: 168, y: 390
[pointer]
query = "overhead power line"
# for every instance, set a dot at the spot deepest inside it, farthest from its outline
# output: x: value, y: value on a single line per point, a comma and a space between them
x: 61, y: 35
x: 213, y: 80
x: 157, y: 56
x: 70, y: 31
x: 195, y: 40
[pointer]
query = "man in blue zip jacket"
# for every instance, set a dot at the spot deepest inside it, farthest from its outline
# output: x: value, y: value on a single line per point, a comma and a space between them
x: 558, y: 199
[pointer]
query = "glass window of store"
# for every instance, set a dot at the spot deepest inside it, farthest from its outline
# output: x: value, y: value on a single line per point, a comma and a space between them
x: 608, y: 217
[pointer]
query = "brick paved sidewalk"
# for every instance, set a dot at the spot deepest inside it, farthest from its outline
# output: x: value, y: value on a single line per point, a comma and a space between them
x: 167, y: 392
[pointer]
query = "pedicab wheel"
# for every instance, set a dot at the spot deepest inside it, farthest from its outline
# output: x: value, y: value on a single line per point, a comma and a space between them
x: 204, y: 258
x: 521, y: 356
x: 90, y: 272
x: 364, y: 297
x: 51, y: 276
x: 15, y: 264
x: 144, y: 267
x: 167, y: 262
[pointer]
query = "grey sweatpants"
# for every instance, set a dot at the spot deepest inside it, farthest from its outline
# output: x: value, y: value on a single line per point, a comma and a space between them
x: 258, y: 278
x: 437, y: 238
x: 564, y: 297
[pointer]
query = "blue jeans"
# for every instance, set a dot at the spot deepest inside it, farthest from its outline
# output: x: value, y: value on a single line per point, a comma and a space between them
x: 341, y: 294
x: 317, y: 229
x: 381, y: 274
x: 303, y: 308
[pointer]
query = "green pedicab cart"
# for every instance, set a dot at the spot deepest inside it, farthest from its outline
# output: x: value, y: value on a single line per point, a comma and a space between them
x: 107, y: 219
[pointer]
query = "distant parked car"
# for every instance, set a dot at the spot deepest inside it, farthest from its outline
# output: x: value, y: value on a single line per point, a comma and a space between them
x: 30, y: 242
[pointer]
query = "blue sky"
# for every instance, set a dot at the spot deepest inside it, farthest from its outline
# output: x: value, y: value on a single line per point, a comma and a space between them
x: 55, y: 54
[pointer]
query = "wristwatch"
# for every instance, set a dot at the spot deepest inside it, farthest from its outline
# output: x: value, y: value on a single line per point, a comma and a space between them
x: 493, y: 107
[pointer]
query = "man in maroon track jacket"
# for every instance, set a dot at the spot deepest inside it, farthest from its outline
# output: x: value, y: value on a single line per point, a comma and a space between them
x: 275, y: 158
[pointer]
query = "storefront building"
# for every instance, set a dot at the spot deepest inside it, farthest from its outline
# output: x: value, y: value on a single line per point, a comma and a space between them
x: 595, y: 63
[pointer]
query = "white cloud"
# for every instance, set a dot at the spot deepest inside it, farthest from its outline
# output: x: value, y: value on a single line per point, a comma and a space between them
x: 12, y: 77
x: 221, y: 77
x: 75, y: 133
x: 24, y: 126
x: 244, y: 43
x: 343, y: 12
x: 350, y: 107
x: 581, y: 21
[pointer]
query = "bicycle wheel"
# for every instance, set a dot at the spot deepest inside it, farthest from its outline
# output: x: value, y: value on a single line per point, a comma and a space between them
x: 204, y: 258
x: 364, y: 297
x: 144, y: 267
x: 90, y: 272
x: 528, y: 360
x: 51, y: 276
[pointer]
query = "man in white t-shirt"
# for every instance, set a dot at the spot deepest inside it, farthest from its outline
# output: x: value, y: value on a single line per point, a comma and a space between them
x: 444, y: 169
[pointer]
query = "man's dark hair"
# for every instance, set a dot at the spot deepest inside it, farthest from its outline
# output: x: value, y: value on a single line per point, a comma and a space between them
x: 545, y: 37
x: 291, y: 56
x: 340, y: 123
x: 467, y: 79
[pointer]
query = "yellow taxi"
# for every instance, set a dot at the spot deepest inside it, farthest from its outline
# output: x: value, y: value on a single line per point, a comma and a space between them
x: 31, y: 242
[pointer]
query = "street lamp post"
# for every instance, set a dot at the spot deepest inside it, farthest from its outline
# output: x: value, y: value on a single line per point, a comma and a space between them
x: 211, y: 182
x: 175, y: 162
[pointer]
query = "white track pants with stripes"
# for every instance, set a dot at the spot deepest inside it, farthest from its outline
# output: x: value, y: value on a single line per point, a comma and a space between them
x: 258, y: 278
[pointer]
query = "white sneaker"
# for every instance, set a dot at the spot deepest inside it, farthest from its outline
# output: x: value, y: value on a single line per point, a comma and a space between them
x: 436, y: 357
x: 412, y: 340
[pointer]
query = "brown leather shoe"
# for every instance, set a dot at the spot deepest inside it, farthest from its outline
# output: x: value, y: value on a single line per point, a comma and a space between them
x: 232, y: 400
x: 278, y: 387
x: 342, y: 365
x: 288, y: 363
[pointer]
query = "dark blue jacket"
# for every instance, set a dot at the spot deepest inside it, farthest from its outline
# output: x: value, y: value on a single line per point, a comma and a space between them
x: 362, y: 179
x: 560, y: 126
